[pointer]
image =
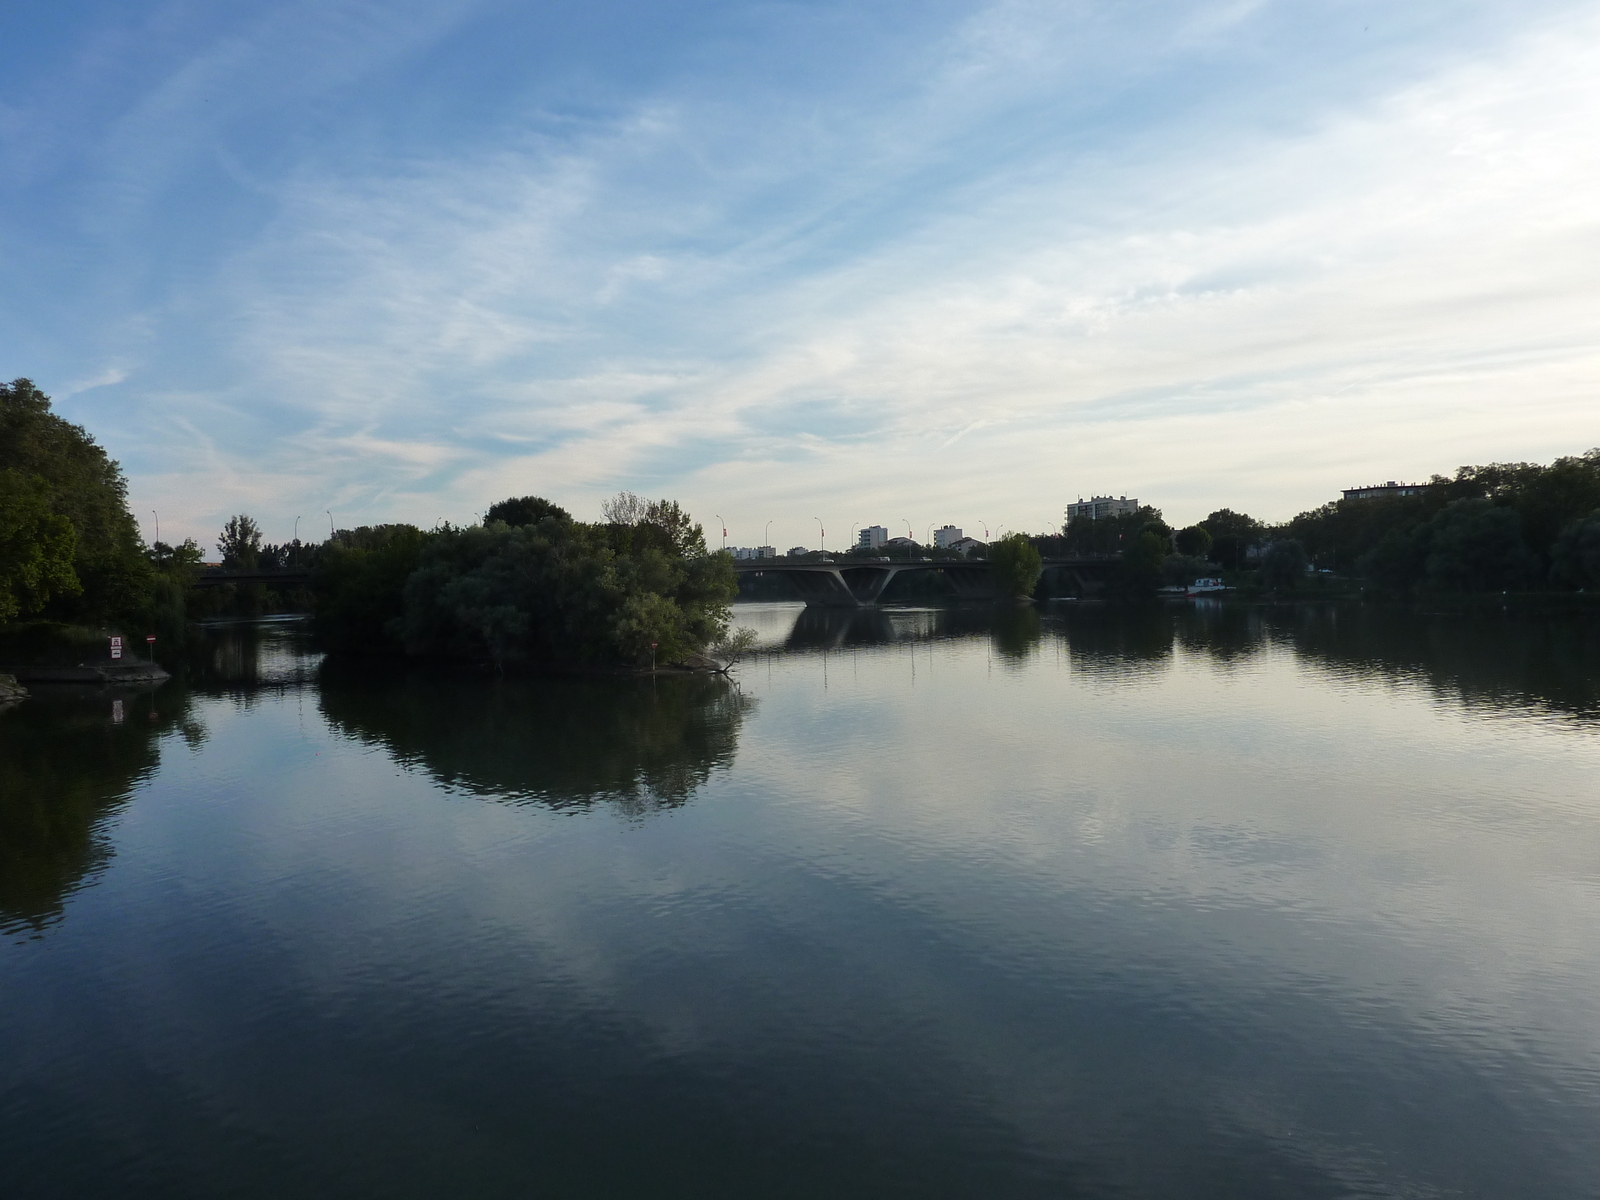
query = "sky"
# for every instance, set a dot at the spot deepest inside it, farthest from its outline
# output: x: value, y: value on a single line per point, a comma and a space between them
x: 817, y: 265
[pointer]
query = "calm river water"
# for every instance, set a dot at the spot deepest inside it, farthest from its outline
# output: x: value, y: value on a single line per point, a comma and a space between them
x: 1191, y: 902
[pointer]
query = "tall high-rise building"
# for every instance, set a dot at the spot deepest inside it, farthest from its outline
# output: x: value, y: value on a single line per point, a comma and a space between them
x: 946, y: 536
x: 871, y: 537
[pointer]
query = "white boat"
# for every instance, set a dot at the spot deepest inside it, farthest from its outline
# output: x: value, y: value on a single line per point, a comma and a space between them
x: 1206, y: 587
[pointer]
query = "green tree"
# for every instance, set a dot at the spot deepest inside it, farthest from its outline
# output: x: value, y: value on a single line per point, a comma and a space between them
x: 1232, y: 535
x: 1577, y: 553
x: 86, y: 487
x: 1397, y: 561
x: 1193, y: 542
x: 1142, y: 561
x: 525, y: 510
x: 36, y: 547
x: 1111, y: 535
x: 1477, y: 545
x: 360, y: 585
x: 546, y: 592
x: 1016, y: 564
x: 240, y: 544
x: 1283, y: 565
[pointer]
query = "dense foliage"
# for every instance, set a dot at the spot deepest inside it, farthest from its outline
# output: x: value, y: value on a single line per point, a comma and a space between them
x: 548, y: 592
x: 1495, y: 527
x: 361, y: 579
x: 1016, y: 564
x: 1110, y: 535
x: 52, y: 462
x: 1232, y: 536
x: 36, y: 547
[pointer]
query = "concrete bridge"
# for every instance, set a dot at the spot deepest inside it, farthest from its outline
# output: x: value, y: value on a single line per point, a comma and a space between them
x: 853, y: 583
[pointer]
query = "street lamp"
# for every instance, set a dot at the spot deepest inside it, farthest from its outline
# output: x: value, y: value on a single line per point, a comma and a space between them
x: 157, y: 516
x: 297, y: 531
x: 766, y: 535
x: 823, y: 533
x: 331, y: 534
x: 724, y: 526
x: 911, y: 536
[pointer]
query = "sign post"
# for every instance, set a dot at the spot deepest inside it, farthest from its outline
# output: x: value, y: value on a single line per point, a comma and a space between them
x: 116, y: 647
x: 652, y: 658
x: 150, y: 647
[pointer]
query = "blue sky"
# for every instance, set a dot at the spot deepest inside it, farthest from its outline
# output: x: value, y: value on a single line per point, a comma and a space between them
x: 869, y: 262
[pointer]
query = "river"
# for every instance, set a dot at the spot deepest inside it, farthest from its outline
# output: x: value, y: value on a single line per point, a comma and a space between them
x: 1204, y: 900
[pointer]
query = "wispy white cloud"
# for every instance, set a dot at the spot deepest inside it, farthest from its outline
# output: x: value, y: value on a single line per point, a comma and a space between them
x: 1043, y: 249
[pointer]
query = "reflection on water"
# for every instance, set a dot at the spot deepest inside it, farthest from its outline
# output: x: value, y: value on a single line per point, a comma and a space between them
x: 1497, y: 659
x: 1063, y: 900
x: 642, y: 744
x: 241, y: 658
x: 70, y: 758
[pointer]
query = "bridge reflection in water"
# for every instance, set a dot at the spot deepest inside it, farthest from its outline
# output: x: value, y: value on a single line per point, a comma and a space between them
x: 788, y: 628
x: 854, y: 584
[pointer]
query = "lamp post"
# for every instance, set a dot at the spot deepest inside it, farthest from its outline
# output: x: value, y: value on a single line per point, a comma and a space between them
x: 331, y: 534
x: 724, y: 526
x: 766, y: 535
x: 911, y: 536
x: 157, y: 516
x: 823, y: 533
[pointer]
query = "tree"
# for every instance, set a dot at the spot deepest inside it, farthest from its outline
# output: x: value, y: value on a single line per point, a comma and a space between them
x: 1232, y: 535
x: 564, y: 593
x: 36, y: 547
x: 1016, y: 565
x: 1142, y: 561
x: 1397, y: 561
x: 86, y: 487
x: 1577, y: 553
x: 733, y: 645
x: 1113, y: 534
x: 1477, y: 545
x: 525, y: 510
x: 1283, y: 564
x: 1193, y: 542
x: 360, y: 587
x: 624, y: 508
x: 240, y: 544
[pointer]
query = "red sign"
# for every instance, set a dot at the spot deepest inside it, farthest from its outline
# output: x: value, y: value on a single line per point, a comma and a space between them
x: 150, y: 637
x: 116, y: 647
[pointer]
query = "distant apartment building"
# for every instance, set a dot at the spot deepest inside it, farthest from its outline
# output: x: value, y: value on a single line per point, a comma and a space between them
x: 1383, y: 491
x: 871, y: 537
x: 946, y: 537
x: 1100, y: 506
x: 967, y: 545
x: 745, y: 552
x: 798, y: 552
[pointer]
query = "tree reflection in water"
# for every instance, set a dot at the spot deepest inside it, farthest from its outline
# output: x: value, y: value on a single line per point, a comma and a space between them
x: 69, y: 759
x: 1538, y: 660
x: 641, y: 744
